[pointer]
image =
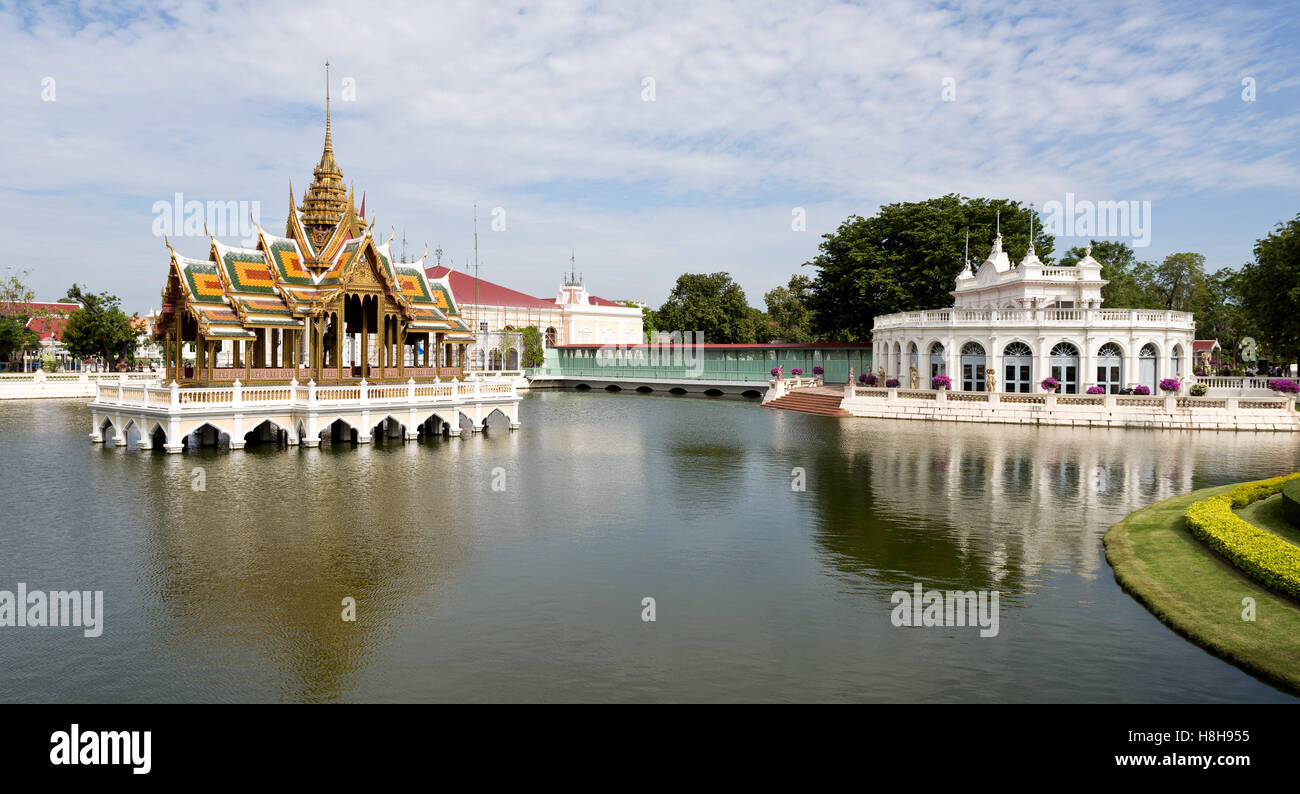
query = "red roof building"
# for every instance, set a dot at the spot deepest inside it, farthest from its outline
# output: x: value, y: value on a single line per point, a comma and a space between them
x: 571, y: 317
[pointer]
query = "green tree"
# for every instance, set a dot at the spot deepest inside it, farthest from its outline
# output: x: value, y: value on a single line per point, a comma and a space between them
x: 1222, y: 314
x: 1270, y: 291
x: 534, y: 354
x: 787, y: 307
x: 99, y: 328
x: 907, y: 256
x: 15, y: 312
x: 1129, y: 279
x: 710, y: 303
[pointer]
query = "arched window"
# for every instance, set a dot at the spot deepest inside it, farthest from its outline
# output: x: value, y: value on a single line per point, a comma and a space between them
x: 1110, y: 368
x: 937, y: 365
x: 896, y: 360
x: 1017, y: 368
x: 1177, y: 361
x: 1064, y: 366
x: 972, y: 367
x: 1147, y: 367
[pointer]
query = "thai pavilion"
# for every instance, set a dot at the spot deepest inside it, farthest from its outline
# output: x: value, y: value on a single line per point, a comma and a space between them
x: 1011, y: 327
x: 324, y: 301
x: 302, y: 331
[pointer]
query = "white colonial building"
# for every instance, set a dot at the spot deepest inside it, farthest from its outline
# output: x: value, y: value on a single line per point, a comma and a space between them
x: 1013, y: 326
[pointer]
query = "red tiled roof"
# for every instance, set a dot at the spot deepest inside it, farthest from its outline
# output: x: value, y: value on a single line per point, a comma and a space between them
x: 1199, y: 345
x: 53, y: 307
x: 463, y: 286
x: 48, y: 327
x: 489, y: 294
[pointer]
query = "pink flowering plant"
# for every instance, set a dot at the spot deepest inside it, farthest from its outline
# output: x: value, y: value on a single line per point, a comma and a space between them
x: 818, y: 371
x: 797, y: 371
x: 1142, y: 390
x: 1096, y: 390
x: 941, y: 382
x: 867, y: 379
x: 1170, y: 385
x: 891, y: 383
x: 1050, y: 384
x: 1284, y: 386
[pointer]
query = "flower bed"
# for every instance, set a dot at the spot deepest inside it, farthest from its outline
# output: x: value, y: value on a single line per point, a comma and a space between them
x: 1284, y: 386
x: 1259, y: 554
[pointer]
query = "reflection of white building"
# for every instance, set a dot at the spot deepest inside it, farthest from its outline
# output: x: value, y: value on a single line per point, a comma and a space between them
x: 1025, y: 323
x: 573, y: 316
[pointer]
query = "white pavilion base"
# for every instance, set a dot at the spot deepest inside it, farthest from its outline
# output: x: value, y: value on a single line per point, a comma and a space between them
x: 301, y: 413
x: 1083, y: 410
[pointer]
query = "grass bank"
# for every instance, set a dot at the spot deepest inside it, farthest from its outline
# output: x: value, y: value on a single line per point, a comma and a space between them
x: 1199, y: 595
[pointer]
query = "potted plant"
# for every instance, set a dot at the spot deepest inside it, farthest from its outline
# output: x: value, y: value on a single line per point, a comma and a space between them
x: 1284, y: 386
x: 797, y: 371
x: 1170, y: 385
x: 867, y: 379
x: 1198, y: 389
x: 818, y: 371
x: 1050, y: 384
x: 1096, y: 389
x: 776, y: 372
x: 891, y: 383
x: 941, y: 383
x: 1142, y: 390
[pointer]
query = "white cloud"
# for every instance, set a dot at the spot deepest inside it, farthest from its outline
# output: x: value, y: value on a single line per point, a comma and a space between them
x: 538, y: 109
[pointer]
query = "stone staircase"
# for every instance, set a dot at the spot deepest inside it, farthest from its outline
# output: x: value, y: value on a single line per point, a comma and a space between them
x: 809, y: 401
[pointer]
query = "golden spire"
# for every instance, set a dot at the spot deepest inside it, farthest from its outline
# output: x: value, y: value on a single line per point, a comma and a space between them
x: 326, y: 199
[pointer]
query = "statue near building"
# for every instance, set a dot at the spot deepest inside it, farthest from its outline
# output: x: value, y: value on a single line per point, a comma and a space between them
x: 990, y: 379
x: 916, y: 381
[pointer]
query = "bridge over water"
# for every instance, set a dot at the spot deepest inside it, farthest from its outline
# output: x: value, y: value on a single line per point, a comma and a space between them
x: 743, y: 369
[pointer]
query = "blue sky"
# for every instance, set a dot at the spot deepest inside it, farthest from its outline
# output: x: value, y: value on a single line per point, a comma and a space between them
x: 541, y: 110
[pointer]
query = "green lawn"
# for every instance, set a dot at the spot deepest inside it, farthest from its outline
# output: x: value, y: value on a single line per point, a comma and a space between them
x: 1267, y: 514
x: 1199, y: 595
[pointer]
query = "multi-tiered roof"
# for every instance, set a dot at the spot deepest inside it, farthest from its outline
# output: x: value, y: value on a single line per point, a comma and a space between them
x: 285, y: 281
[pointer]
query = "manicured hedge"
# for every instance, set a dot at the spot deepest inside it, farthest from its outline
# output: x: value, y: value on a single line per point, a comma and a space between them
x: 1259, y: 554
x: 1291, y: 501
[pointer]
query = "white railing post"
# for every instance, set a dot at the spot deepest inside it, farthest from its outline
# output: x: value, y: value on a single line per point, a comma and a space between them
x: 175, y: 400
x: 410, y: 389
x: 311, y: 392
x: 365, y: 392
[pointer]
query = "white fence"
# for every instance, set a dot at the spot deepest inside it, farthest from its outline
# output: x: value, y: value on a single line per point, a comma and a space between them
x: 174, y: 399
x: 51, y: 385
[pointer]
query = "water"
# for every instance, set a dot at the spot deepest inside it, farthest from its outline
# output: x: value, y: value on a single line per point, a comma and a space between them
x: 535, y: 593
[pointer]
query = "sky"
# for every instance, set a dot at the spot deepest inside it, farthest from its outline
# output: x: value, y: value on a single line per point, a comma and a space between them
x: 643, y: 140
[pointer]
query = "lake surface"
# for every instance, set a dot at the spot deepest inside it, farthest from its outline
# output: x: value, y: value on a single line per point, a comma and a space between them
x: 534, y: 592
